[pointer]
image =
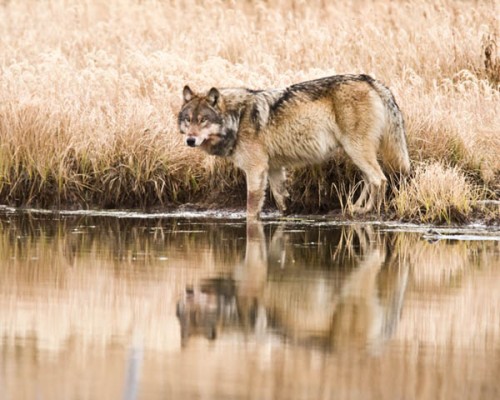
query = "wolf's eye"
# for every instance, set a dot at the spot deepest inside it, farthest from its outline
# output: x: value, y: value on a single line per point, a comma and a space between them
x: 203, y: 120
x: 187, y: 119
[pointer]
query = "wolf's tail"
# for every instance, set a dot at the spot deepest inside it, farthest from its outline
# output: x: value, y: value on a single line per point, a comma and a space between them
x: 393, y: 146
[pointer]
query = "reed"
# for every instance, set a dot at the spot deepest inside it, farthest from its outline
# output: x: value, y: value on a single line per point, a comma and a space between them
x: 89, y: 92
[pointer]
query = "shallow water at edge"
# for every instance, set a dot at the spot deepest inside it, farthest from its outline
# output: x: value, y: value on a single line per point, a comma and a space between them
x: 115, y: 305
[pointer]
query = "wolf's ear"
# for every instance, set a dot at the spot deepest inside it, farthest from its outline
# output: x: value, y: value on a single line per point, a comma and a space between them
x: 187, y: 94
x: 213, y: 96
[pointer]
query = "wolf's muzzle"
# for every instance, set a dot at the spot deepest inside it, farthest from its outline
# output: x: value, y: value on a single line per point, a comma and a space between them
x: 191, y: 142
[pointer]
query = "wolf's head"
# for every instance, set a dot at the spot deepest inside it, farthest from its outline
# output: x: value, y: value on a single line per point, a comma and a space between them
x: 205, y: 310
x: 206, y: 123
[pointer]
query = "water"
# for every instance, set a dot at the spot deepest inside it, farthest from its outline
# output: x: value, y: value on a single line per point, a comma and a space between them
x: 130, y: 306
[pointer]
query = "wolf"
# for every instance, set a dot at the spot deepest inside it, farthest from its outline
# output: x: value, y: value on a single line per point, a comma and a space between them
x: 265, y: 131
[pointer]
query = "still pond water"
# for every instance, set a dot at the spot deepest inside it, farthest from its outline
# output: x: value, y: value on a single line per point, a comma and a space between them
x: 130, y: 306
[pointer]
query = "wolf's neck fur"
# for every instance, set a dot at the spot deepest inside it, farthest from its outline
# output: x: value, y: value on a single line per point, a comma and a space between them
x: 225, y: 147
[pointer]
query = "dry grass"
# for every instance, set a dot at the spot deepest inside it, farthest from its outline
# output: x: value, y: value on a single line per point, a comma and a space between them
x: 90, y: 90
x: 436, y: 194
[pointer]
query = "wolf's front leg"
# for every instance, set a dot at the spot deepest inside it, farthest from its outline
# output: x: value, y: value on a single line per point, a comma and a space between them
x: 256, y: 186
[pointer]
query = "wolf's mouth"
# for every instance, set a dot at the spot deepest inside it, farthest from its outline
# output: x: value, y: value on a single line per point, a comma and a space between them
x: 209, y: 141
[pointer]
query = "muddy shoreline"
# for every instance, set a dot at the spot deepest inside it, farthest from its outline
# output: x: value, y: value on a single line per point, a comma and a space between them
x: 480, y: 228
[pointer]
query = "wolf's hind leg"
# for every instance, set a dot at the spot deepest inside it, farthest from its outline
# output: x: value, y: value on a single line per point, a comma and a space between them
x: 362, y: 197
x: 374, y: 179
x: 277, y: 180
x: 375, y: 194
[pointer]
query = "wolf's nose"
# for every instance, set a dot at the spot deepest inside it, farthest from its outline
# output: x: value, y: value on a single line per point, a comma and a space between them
x: 191, y: 142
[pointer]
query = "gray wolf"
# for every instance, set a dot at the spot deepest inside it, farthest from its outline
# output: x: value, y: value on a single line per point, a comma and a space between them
x: 264, y: 131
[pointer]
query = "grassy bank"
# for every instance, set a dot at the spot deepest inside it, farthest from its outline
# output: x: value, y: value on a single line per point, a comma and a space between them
x: 89, y: 93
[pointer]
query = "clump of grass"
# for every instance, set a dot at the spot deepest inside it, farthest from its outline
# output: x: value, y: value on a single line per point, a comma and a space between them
x: 436, y: 194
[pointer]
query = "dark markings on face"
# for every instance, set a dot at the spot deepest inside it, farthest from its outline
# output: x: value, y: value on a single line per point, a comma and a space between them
x: 199, y: 112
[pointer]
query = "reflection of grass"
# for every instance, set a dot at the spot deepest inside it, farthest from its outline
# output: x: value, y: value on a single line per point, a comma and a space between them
x: 101, y: 279
x: 453, y: 300
x: 118, y: 240
x: 69, y: 318
x: 443, y: 264
x: 123, y: 277
x: 90, y: 92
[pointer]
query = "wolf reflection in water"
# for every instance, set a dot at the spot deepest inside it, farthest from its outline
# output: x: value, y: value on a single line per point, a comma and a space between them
x: 357, y: 304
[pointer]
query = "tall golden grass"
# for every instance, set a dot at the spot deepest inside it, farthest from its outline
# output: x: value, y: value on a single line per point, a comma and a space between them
x: 89, y: 92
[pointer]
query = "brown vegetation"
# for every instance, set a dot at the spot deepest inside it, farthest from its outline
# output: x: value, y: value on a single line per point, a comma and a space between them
x: 89, y: 94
